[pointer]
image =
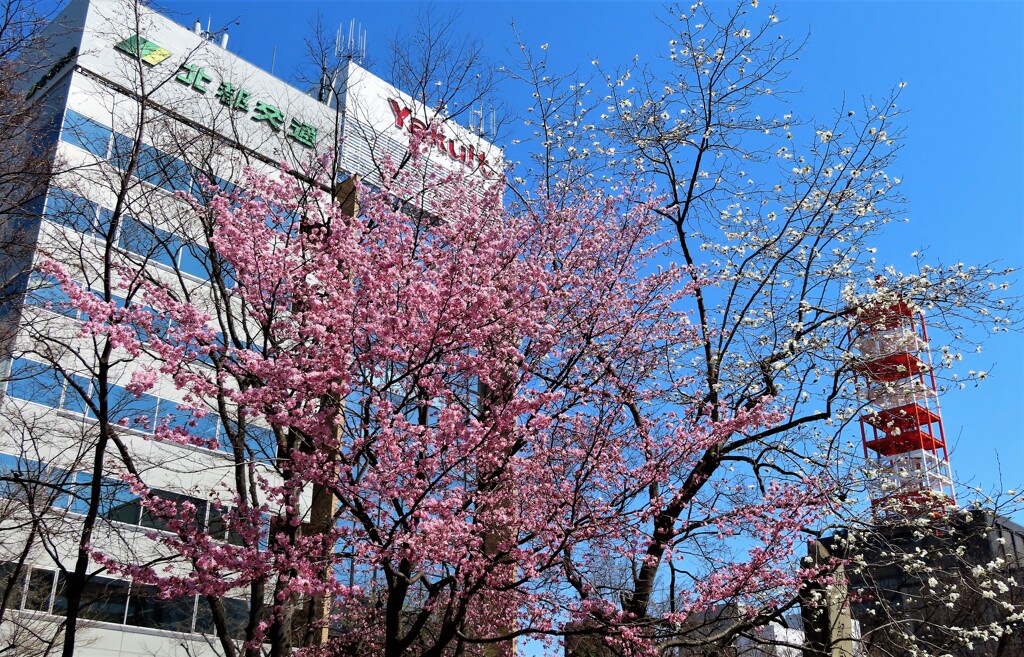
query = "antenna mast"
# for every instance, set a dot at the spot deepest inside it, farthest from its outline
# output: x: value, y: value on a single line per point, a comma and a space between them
x: 901, y: 427
x: 353, y: 48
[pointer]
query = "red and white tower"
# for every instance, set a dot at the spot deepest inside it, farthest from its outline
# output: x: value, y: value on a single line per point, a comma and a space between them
x: 901, y: 425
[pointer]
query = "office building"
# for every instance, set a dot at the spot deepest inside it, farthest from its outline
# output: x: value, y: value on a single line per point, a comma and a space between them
x: 144, y: 114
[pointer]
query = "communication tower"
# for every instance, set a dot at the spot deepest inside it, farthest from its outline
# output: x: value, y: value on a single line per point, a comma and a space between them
x: 901, y: 425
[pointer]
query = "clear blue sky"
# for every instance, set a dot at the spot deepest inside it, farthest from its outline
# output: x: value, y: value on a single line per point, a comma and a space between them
x: 962, y: 162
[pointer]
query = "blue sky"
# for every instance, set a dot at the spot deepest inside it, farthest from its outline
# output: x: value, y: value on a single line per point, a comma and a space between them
x: 962, y: 162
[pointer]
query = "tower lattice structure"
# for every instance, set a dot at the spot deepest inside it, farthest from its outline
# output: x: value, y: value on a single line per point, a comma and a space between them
x: 901, y: 424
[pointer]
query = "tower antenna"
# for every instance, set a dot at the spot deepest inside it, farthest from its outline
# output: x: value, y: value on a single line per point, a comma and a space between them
x: 352, y: 47
x: 901, y: 428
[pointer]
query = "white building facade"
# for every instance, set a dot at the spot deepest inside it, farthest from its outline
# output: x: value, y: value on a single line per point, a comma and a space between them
x: 144, y: 113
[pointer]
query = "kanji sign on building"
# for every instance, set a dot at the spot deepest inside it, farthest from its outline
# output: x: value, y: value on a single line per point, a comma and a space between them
x: 233, y: 96
x: 196, y: 78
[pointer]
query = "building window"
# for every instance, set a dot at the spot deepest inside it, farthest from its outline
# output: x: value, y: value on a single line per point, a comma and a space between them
x: 40, y: 590
x: 15, y: 581
x: 151, y: 520
x: 259, y: 441
x: 163, y: 170
x: 147, y: 609
x: 66, y: 208
x: 34, y: 382
x: 149, y: 242
x: 85, y: 133
x: 46, y: 292
x: 35, y: 484
x: 237, y: 612
x: 41, y: 384
x: 195, y: 261
x: 119, y: 602
x: 121, y: 152
x: 131, y: 411
x: 103, y: 599
x: 117, y: 502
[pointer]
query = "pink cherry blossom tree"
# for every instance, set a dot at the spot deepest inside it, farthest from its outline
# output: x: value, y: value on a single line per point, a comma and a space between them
x: 458, y: 423
x: 482, y: 397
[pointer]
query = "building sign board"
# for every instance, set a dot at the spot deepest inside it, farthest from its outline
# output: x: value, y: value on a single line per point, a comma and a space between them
x: 196, y: 78
x: 380, y: 119
x: 52, y: 73
x: 143, y: 49
x: 445, y: 143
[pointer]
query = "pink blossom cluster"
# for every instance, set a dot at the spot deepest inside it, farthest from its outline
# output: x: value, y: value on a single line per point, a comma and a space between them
x: 486, y: 393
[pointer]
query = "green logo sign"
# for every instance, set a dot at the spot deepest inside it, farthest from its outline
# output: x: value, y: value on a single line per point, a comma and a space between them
x: 144, y: 49
x: 52, y: 73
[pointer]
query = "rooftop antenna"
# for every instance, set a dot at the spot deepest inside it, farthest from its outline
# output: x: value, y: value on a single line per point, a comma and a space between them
x: 273, y: 59
x: 474, y: 127
x: 347, y: 48
x: 478, y: 121
x: 353, y: 47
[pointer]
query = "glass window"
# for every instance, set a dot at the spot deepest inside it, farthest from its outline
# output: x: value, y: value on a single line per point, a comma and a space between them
x: 20, y: 478
x: 159, y: 168
x: 130, y: 411
x: 104, y: 599
x: 198, y: 180
x: 47, y: 127
x: 117, y: 299
x: 46, y: 292
x: 173, y: 175
x: 280, y: 217
x: 201, y: 182
x: 27, y: 212
x: 60, y: 487
x: 86, y: 133
x: 149, y: 242
x: 34, y: 382
x: 148, y: 167
x: 201, y: 427
x: 40, y: 589
x: 12, y: 577
x: 106, y: 217
x: 205, y: 357
x: 122, y: 150
x: 24, y: 218
x: 10, y: 476
x: 73, y: 400
x: 136, y: 236
x: 204, y: 618
x: 237, y: 612
x: 117, y: 502
x: 79, y: 492
x: 195, y: 260
x: 69, y: 209
x: 220, y: 526
x: 152, y: 521
x: 147, y: 609
x: 206, y: 426
x: 12, y: 291
x: 159, y: 324
x: 168, y: 248
x: 261, y: 442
